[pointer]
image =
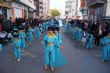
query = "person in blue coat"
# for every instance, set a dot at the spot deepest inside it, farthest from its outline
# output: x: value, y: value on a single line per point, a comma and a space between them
x: 17, y: 47
x: 22, y: 37
x: 106, y: 47
x: 38, y: 32
x: 50, y: 43
x: 30, y: 34
x: 89, y: 41
x: 1, y: 47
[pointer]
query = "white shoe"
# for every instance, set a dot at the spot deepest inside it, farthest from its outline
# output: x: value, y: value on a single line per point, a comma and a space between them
x: 46, y: 67
x: 0, y: 49
x: 18, y: 60
x: 52, y: 69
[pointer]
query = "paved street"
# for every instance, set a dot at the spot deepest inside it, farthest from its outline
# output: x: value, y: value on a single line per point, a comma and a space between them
x: 80, y: 60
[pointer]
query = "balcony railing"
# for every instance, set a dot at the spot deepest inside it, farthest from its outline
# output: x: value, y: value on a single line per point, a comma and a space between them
x: 95, y: 2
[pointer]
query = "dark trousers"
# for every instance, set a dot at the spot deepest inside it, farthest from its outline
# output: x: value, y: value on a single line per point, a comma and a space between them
x: 97, y: 40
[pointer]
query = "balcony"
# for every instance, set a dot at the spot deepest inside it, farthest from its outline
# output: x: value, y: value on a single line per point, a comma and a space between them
x: 5, y: 4
x: 94, y: 3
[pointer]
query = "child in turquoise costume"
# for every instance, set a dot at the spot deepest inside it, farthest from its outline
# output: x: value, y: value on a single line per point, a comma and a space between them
x: 50, y: 43
x: 75, y: 32
x: 106, y: 47
x: 68, y: 27
x: 44, y: 26
x: 17, y: 47
x: 22, y: 37
x: 15, y: 32
x: 89, y: 41
x: 38, y: 32
x: 60, y: 59
x: 1, y: 46
x: 30, y: 34
x: 78, y: 34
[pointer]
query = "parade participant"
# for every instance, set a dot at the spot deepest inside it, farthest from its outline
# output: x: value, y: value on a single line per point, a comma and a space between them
x: 89, y: 41
x: 106, y: 47
x: 0, y: 46
x: 75, y: 33
x: 40, y: 26
x: 30, y: 34
x: 78, y: 34
x: 84, y: 36
x: 44, y: 26
x: 22, y: 37
x: 38, y: 32
x: 17, y: 47
x: 60, y: 59
x: 56, y: 22
x: 50, y: 43
x: 13, y: 32
x: 68, y: 27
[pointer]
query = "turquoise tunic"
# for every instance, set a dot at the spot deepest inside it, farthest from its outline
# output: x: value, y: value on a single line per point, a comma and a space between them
x: 68, y: 27
x: 78, y: 34
x: 89, y: 41
x: 22, y: 37
x: 44, y: 26
x: 1, y: 47
x: 60, y: 59
x: 38, y: 33
x: 52, y: 54
x: 75, y: 33
x: 30, y: 34
x: 17, y: 49
x: 50, y: 51
x: 106, y: 48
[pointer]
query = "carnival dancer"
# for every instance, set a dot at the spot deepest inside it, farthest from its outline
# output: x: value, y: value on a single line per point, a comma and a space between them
x: 1, y: 46
x: 17, y: 47
x: 50, y: 44
x: 89, y: 41
x: 68, y: 27
x: 38, y: 32
x: 106, y: 47
x: 22, y: 37
x: 78, y: 34
x: 30, y: 34
x: 44, y: 26
x: 60, y: 59
x: 84, y: 38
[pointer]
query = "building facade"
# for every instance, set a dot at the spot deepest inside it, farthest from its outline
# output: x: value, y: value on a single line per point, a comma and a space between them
x: 107, y: 13
x: 23, y: 8
x: 72, y: 9
x: 97, y: 9
x: 84, y: 9
x: 18, y: 8
x: 42, y: 7
x: 5, y: 8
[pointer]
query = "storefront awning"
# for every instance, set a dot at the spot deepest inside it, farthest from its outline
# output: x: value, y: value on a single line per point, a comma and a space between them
x: 4, y: 4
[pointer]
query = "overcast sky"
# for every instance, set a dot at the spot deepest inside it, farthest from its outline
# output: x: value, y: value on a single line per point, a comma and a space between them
x: 58, y: 4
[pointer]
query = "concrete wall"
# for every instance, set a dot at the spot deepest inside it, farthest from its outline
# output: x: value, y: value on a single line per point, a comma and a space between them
x: 108, y: 8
